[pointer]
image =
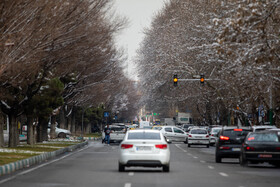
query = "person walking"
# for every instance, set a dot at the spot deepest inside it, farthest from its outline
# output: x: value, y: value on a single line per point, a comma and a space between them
x: 107, y: 132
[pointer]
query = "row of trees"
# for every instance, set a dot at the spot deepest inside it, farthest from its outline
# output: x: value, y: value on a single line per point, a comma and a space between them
x: 57, y: 57
x: 235, y: 43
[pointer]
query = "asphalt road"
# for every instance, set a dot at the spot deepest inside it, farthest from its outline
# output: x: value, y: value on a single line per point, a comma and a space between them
x: 96, y: 165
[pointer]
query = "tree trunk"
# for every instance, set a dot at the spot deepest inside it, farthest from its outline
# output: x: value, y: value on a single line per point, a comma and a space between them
x: 69, y: 120
x: 13, y: 131
x: 62, y: 118
x: 73, y: 123
x: 30, y: 131
x: 42, y: 130
x: 2, y: 142
x: 53, y: 125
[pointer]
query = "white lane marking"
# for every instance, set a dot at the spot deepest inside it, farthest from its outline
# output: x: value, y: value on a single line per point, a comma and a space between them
x: 223, y: 174
x: 177, y: 145
x: 211, y: 167
x: 195, y: 157
x: 127, y: 185
x: 202, y: 161
x: 189, y: 154
x: 131, y: 173
x: 42, y: 165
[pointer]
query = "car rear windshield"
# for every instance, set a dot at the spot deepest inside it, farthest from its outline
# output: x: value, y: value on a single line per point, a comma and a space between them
x: 198, y: 131
x: 215, y: 131
x: 117, y: 129
x: 266, y: 137
x: 233, y: 133
x: 143, y: 136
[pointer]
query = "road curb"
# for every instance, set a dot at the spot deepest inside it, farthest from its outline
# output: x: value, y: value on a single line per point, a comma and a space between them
x: 12, y: 167
x: 92, y: 138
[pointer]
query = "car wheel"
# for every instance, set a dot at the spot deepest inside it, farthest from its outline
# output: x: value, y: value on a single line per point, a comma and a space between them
x: 61, y: 135
x: 189, y: 145
x: 166, y: 168
x: 218, y: 158
x: 242, y: 160
x: 121, y: 168
x: 186, y: 141
x: 207, y: 146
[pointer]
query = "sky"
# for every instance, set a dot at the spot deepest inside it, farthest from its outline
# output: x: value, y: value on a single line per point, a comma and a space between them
x: 140, y: 14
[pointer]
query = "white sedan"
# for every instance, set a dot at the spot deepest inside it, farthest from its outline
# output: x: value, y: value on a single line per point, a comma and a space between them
x: 172, y: 133
x: 144, y: 148
x: 198, y: 137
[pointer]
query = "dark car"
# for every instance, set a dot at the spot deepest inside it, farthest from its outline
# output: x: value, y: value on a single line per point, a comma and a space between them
x: 230, y: 141
x: 261, y: 147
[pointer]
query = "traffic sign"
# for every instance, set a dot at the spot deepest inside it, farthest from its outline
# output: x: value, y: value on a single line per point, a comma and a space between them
x: 106, y: 114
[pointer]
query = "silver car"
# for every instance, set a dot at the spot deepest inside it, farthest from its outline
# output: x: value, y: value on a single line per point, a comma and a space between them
x: 172, y: 133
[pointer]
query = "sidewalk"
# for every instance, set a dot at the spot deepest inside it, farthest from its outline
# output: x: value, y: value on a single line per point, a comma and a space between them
x: 11, y: 167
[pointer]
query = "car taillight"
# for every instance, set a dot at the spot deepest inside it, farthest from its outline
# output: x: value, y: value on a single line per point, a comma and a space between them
x: 224, y: 138
x: 161, y: 146
x: 251, y: 138
x: 207, y: 136
x: 212, y: 134
x: 190, y: 135
x: 126, y: 146
x: 278, y: 148
x: 224, y: 147
x: 238, y: 129
x: 250, y: 148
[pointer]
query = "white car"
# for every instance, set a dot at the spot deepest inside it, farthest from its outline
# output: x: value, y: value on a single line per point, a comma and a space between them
x: 198, y: 137
x: 258, y: 128
x: 117, y: 133
x: 60, y: 133
x: 214, y: 135
x: 145, y: 148
x: 172, y: 133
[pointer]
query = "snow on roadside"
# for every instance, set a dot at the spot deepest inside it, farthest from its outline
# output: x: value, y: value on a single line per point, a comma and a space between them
x: 20, y: 151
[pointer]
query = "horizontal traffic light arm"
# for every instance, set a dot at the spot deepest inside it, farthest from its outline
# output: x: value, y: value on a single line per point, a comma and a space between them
x: 198, y: 79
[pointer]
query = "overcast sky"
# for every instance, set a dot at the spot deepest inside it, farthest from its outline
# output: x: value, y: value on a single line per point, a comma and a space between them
x: 140, y: 14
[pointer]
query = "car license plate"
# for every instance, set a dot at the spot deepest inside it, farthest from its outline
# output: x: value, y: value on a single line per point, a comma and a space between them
x: 236, y: 149
x: 143, y: 148
x: 265, y: 156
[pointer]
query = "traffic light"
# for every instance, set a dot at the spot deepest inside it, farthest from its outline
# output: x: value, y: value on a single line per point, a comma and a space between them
x: 202, y: 78
x: 175, y: 79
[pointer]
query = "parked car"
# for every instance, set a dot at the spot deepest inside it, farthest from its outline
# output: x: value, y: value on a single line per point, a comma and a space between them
x: 198, y: 137
x: 261, y: 147
x: 145, y: 148
x: 117, y: 133
x: 60, y: 133
x: 214, y: 135
x: 172, y: 133
x: 230, y: 142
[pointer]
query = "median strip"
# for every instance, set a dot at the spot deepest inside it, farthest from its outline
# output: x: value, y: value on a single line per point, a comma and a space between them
x: 14, y: 166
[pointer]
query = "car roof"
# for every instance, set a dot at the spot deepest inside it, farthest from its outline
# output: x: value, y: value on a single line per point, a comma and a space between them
x: 236, y: 127
x: 143, y: 130
x: 264, y: 126
x: 263, y: 132
x: 198, y: 129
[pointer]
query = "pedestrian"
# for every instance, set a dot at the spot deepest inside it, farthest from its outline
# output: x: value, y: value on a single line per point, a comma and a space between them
x: 107, y: 132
